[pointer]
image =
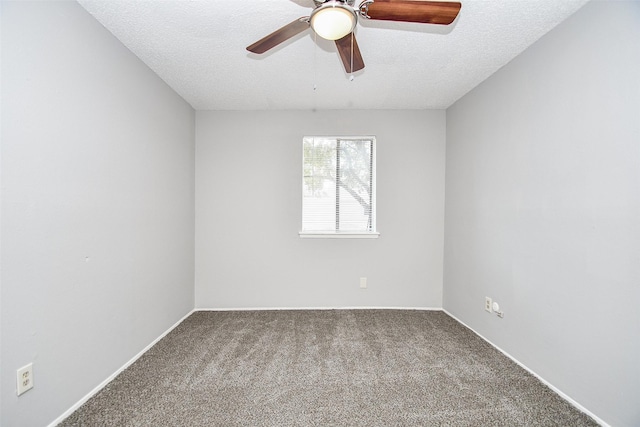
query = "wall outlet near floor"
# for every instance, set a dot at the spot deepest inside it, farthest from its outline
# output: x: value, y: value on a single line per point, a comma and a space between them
x: 25, y: 379
x: 363, y: 283
x: 487, y: 304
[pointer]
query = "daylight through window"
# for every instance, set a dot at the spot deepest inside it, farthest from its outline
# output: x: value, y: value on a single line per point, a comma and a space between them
x: 338, y: 187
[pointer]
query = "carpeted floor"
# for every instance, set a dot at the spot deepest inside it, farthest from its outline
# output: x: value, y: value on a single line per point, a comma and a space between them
x: 325, y: 368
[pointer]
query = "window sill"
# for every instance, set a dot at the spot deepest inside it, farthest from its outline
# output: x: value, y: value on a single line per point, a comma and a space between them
x: 337, y: 235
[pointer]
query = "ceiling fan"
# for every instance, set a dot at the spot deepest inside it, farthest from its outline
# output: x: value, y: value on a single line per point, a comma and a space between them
x: 336, y: 20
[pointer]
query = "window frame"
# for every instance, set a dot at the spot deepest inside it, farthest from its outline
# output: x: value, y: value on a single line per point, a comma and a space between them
x: 341, y: 234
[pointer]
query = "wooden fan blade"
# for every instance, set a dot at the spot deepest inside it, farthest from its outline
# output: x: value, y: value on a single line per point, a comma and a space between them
x: 426, y: 12
x: 279, y: 36
x: 344, y: 46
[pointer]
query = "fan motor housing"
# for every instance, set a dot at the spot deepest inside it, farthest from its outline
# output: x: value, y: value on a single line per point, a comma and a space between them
x: 321, y: 2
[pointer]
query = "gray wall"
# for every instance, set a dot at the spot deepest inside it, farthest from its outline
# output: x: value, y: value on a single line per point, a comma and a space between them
x: 248, y: 213
x: 97, y: 207
x: 543, y: 209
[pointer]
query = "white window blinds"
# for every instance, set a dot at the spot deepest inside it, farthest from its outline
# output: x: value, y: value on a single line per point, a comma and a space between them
x: 338, y: 187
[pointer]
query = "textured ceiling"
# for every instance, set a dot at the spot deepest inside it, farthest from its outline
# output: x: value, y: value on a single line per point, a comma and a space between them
x: 198, y: 48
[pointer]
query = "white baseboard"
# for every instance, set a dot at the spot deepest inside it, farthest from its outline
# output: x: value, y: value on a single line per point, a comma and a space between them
x: 545, y: 382
x: 316, y: 308
x: 115, y: 374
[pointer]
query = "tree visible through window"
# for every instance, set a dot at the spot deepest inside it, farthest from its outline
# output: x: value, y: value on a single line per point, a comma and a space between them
x: 338, y: 185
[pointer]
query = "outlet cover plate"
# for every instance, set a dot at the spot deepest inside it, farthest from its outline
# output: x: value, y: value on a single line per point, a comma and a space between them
x: 25, y: 379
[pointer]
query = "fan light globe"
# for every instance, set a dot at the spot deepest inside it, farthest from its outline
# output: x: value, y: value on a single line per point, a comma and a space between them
x: 333, y: 20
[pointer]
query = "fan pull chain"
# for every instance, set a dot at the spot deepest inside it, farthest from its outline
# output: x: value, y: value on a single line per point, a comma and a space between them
x: 315, y: 60
x: 351, y: 69
x: 351, y: 74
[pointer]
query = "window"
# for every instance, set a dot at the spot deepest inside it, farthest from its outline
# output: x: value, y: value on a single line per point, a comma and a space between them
x: 338, y: 187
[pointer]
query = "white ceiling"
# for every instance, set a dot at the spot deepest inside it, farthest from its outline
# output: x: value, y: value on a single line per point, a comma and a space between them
x: 198, y: 48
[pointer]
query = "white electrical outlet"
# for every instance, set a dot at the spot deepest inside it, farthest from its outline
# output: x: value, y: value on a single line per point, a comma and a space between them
x: 363, y: 283
x: 487, y: 304
x: 25, y: 379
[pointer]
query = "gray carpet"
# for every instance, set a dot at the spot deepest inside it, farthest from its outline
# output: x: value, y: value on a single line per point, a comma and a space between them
x: 325, y: 368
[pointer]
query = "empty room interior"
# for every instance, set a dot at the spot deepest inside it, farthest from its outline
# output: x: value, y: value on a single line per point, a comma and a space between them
x: 156, y: 247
